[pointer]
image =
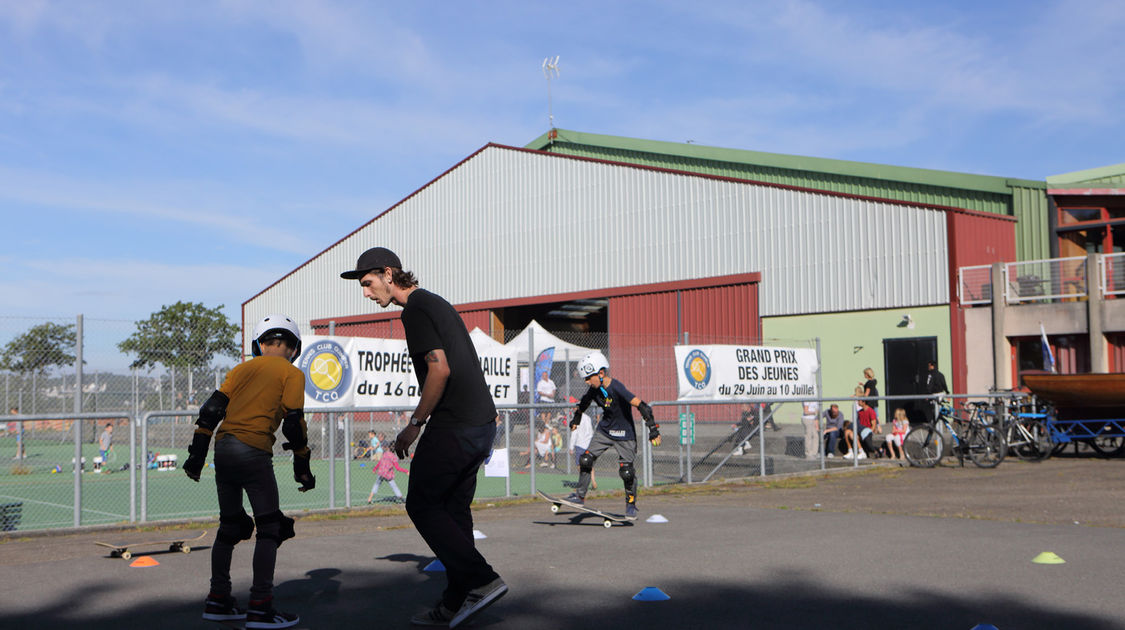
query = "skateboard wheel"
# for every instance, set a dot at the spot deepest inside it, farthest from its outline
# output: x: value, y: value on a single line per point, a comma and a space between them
x: 115, y: 554
x: 607, y: 523
x: 555, y: 508
x: 173, y: 547
x: 185, y: 548
x: 126, y: 555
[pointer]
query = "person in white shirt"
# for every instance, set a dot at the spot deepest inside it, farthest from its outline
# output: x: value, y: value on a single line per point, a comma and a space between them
x: 580, y: 440
x: 545, y: 390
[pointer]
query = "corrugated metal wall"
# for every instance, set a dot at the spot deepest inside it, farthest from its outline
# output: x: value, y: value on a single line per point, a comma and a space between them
x: 974, y: 240
x: 643, y: 329
x: 1033, y: 233
x: 509, y: 223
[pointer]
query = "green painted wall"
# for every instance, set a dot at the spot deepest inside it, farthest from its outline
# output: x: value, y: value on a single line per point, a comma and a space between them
x: 850, y: 342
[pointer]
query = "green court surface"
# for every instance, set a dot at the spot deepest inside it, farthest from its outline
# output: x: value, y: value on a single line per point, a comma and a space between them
x: 46, y: 498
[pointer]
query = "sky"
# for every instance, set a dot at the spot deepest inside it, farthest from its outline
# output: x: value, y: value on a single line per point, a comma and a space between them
x: 199, y: 150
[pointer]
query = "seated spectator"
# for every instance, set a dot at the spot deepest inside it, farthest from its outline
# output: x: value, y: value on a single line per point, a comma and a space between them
x: 543, y: 444
x: 833, y: 428
x: 849, y: 441
x: 899, y: 426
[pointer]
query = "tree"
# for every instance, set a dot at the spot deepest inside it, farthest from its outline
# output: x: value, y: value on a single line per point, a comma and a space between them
x: 40, y: 348
x: 183, y: 335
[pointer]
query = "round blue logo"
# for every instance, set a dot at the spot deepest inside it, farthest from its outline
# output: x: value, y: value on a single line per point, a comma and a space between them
x: 697, y: 368
x: 328, y: 371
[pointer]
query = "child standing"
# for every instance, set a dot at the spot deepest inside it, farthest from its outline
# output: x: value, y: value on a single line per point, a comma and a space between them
x: 384, y: 470
x: 256, y: 398
x: 616, y: 428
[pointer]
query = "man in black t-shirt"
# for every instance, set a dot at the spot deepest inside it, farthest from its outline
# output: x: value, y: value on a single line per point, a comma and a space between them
x: 456, y: 404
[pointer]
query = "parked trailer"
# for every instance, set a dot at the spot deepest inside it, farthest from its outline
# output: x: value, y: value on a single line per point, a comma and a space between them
x: 1085, y: 407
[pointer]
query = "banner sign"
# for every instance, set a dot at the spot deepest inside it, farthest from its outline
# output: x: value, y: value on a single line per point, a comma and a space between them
x: 729, y: 372
x: 367, y: 372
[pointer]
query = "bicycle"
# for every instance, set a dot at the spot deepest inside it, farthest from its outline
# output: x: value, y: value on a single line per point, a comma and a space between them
x: 976, y: 436
x: 1027, y: 433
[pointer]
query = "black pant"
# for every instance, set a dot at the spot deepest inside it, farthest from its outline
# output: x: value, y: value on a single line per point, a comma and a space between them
x: 238, y: 468
x: 443, y: 480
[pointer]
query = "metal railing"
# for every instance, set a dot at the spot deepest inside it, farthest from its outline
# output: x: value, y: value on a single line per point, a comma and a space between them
x: 161, y: 492
x: 1112, y: 268
x: 974, y: 285
x: 1041, y: 280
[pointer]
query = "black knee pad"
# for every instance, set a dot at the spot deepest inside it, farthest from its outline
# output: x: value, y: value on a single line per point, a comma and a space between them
x: 628, y: 475
x: 275, y: 526
x: 586, y: 461
x: 235, y: 529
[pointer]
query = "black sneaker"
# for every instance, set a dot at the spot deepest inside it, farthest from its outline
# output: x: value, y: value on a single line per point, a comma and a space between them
x: 631, y: 511
x: 477, y: 600
x: 262, y: 615
x: 439, y: 615
x: 222, y: 608
x: 575, y: 499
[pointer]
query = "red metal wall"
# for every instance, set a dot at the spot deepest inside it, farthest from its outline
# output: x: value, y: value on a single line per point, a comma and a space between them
x: 974, y: 239
x: 644, y: 328
x: 1116, y: 349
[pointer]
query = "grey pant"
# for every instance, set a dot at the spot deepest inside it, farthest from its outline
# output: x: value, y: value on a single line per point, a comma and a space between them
x: 626, y: 453
x: 241, y: 468
x: 812, y: 437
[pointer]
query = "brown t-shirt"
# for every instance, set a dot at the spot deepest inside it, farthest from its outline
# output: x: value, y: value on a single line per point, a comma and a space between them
x: 261, y: 391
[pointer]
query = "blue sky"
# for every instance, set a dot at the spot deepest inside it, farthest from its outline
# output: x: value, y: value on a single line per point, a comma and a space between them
x: 199, y: 150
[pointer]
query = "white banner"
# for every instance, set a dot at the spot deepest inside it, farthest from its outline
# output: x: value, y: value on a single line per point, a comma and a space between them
x: 367, y: 372
x: 497, y: 463
x: 729, y: 372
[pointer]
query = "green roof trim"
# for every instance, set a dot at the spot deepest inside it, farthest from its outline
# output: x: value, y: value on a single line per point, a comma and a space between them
x: 1091, y: 177
x: 921, y: 176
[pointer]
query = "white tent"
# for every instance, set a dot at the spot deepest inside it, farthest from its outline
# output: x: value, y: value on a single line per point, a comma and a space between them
x: 543, y: 340
x: 482, y: 339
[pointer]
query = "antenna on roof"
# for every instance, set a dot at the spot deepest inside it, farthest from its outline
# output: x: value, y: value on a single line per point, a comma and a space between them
x: 550, y: 67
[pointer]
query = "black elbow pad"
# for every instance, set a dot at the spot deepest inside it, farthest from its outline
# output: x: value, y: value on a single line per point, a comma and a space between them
x: 292, y: 427
x: 213, y: 411
x: 646, y: 412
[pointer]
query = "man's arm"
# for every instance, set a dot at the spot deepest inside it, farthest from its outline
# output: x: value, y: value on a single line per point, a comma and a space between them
x: 437, y: 376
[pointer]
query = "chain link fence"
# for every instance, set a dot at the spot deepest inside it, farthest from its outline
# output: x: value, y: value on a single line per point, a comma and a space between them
x: 138, y: 478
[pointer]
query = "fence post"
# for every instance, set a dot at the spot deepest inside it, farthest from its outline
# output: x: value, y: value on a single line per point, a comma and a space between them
x: 77, y: 423
x: 531, y: 410
x: 687, y: 410
x: 348, y: 460
x: 133, y: 467
x: 508, y: 450
x: 144, y: 466
x: 819, y: 409
x: 331, y: 460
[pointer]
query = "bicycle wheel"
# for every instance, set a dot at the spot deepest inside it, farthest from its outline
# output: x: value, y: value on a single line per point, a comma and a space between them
x: 923, y: 446
x: 1044, y: 446
x: 987, y: 446
x: 1108, y: 446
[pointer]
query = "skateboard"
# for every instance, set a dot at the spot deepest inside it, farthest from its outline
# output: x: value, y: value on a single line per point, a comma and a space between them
x: 174, y: 544
x: 608, y: 518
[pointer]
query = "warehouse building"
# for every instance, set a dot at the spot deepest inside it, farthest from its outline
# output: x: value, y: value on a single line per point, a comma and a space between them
x: 651, y: 242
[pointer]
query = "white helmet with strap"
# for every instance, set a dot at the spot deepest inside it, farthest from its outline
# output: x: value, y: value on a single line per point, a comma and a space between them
x: 276, y: 327
x: 591, y: 363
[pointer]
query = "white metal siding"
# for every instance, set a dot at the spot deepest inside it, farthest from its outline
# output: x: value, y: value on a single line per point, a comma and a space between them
x: 510, y: 224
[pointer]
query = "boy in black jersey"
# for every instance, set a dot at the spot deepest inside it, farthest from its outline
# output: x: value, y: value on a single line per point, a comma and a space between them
x: 616, y: 428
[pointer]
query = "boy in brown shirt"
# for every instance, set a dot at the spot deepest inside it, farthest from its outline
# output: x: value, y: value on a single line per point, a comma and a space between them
x: 256, y: 398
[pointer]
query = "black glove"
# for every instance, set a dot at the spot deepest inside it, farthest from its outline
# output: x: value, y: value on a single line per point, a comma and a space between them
x: 302, y: 474
x: 197, y: 455
x: 575, y: 421
x: 653, y: 431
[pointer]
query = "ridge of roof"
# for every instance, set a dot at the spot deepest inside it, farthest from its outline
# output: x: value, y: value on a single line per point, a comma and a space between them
x: 929, y: 177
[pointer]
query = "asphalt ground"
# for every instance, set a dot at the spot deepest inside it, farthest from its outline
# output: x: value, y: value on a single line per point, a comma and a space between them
x: 885, y: 547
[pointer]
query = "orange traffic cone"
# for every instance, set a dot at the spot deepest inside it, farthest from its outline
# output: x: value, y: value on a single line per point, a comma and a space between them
x: 144, y: 561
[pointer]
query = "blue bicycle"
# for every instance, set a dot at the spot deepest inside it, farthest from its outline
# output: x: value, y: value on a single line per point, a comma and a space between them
x: 977, y: 436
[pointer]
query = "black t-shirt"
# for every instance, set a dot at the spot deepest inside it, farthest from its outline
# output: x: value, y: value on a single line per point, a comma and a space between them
x: 874, y: 391
x: 431, y: 323
x: 617, y: 413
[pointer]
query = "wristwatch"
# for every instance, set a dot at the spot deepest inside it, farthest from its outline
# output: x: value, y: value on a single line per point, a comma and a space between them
x: 417, y: 422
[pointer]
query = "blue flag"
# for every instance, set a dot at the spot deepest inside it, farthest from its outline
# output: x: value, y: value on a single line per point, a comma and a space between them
x: 1048, y: 356
x: 543, y: 364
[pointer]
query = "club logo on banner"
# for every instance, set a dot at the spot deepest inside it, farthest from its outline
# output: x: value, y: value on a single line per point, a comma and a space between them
x: 368, y: 372
x: 697, y: 369
x: 732, y: 372
x: 328, y: 371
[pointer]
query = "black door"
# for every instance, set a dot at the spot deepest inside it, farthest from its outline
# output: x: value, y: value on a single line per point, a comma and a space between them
x: 904, y: 372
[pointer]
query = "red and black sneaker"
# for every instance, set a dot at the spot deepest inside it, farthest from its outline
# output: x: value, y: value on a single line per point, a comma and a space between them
x: 261, y: 614
x: 222, y: 608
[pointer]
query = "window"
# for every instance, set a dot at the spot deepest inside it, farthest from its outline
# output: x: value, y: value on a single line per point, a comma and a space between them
x: 1085, y: 229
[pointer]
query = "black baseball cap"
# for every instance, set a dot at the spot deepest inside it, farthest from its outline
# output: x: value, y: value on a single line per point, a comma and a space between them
x: 374, y: 258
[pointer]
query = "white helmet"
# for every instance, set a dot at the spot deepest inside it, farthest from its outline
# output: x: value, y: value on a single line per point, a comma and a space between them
x: 591, y: 363
x: 276, y: 327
